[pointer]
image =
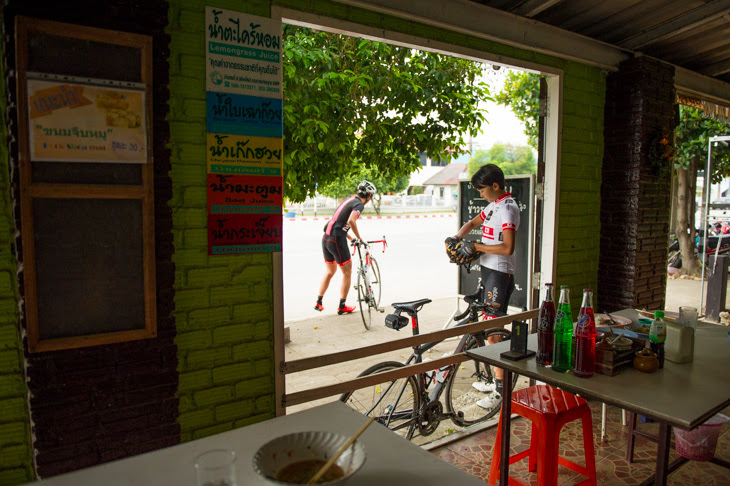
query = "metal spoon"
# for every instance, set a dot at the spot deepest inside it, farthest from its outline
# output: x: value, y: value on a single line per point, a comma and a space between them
x: 610, y: 318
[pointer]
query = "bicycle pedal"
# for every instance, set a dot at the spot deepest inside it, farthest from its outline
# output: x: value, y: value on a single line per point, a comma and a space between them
x: 380, y: 309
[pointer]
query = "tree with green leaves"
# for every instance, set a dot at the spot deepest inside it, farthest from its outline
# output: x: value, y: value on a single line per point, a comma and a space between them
x: 347, y: 186
x: 521, y: 92
x: 512, y: 159
x: 692, y: 137
x: 353, y: 105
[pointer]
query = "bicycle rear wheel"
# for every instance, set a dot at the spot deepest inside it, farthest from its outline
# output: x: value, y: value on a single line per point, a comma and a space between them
x: 466, y: 393
x: 393, y: 403
x: 363, y: 300
x: 375, y: 282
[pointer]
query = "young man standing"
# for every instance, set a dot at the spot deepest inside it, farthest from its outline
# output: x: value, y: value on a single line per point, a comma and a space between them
x: 500, y: 221
x: 335, y: 246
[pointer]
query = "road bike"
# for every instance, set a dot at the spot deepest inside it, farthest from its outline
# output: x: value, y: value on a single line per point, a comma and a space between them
x: 414, y: 403
x: 368, y: 280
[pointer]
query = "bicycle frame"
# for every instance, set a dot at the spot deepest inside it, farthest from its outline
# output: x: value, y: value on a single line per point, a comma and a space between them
x: 442, y: 375
x: 367, y: 251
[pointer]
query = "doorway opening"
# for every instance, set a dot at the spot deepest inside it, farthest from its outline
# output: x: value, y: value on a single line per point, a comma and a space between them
x: 414, y: 264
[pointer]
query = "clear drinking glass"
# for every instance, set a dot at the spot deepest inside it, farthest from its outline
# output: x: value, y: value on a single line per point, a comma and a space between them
x: 216, y: 467
x: 688, y: 316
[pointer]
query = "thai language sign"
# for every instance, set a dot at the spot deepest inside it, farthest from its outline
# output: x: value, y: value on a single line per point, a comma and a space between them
x: 241, y: 154
x: 262, y: 193
x: 244, y: 115
x: 244, y: 124
x: 83, y: 123
x: 242, y: 53
x: 244, y: 233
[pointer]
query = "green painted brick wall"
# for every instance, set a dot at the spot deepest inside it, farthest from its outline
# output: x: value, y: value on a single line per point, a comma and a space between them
x: 223, y: 304
x: 16, y: 455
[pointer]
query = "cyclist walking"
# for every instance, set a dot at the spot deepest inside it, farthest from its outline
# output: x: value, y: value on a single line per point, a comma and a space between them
x: 500, y: 221
x: 335, y: 247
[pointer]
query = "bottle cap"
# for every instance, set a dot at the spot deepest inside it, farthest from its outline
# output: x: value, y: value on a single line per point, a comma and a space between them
x: 548, y: 284
x: 658, y: 314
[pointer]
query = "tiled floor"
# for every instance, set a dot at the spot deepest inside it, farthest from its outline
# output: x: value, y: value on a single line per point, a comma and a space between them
x: 474, y: 454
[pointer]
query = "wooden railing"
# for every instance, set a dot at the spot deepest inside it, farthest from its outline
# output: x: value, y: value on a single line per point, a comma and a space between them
x: 288, y: 367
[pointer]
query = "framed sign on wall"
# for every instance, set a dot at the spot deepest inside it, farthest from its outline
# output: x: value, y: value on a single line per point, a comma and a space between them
x: 86, y: 184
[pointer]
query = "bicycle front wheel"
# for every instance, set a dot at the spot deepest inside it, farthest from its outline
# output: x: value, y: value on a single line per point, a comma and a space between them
x: 393, y: 403
x: 470, y: 393
x: 363, y: 300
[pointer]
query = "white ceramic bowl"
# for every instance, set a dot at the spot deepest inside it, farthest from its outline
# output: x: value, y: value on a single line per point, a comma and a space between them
x: 278, y: 453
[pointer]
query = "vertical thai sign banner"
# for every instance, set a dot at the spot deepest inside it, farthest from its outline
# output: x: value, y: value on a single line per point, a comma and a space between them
x: 244, y: 121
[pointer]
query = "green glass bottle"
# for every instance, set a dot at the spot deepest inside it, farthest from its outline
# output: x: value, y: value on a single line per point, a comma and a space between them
x: 563, y: 333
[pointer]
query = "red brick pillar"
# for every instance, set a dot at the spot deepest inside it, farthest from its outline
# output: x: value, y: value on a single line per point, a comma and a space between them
x: 640, y: 117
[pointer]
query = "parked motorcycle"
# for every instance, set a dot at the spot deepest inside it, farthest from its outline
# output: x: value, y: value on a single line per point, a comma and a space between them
x: 718, y: 242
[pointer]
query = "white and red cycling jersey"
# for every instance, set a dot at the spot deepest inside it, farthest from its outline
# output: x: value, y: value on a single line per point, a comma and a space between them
x: 502, y: 214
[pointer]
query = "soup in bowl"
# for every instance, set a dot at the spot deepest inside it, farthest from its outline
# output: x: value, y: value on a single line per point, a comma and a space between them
x: 295, y: 458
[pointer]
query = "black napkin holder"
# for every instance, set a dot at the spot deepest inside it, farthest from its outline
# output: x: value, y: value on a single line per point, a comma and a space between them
x: 518, y: 343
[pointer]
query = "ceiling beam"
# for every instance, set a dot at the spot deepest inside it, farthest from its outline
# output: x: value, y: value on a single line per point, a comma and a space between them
x: 677, y: 25
x: 717, y: 68
x: 498, y: 26
x: 530, y: 8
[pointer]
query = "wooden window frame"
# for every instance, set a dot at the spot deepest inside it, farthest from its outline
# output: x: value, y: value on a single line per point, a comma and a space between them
x: 29, y: 190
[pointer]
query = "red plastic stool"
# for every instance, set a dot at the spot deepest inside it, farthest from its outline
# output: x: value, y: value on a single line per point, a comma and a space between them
x: 548, y: 409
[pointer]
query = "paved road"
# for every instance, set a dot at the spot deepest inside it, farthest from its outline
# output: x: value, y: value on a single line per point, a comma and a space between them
x: 413, y: 266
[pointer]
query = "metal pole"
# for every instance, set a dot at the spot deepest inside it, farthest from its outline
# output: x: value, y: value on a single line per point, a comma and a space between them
x: 708, y: 183
x: 704, y: 220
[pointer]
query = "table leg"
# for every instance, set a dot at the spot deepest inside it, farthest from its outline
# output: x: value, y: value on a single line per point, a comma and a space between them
x: 506, y: 429
x: 662, y: 459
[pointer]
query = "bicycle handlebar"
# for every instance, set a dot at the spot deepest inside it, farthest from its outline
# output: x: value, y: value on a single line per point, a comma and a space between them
x: 476, y: 307
x: 357, y: 242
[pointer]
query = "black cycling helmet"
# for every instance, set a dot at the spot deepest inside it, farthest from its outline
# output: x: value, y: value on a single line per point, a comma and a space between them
x: 365, y: 188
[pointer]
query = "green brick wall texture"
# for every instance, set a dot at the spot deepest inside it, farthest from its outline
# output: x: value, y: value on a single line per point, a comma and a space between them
x: 224, y: 303
x: 16, y: 463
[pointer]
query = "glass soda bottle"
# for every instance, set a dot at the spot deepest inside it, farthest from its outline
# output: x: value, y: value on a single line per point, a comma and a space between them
x: 585, y: 338
x: 657, y: 336
x: 545, y: 326
x: 563, y: 332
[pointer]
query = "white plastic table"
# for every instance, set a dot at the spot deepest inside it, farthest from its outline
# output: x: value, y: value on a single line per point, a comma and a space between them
x: 391, y: 460
x: 683, y: 395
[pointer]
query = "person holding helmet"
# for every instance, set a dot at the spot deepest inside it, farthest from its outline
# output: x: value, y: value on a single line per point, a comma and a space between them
x: 335, y: 247
x: 499, y: 222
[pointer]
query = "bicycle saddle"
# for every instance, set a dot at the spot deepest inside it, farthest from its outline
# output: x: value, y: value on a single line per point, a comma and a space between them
x: 411, y: 307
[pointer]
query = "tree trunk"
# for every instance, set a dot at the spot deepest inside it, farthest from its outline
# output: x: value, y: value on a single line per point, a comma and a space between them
x: 690, y: 265
x: 376, y: 204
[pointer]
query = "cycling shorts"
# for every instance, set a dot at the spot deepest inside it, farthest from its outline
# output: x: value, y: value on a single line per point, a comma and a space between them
x: 336, y: 249
x: 498, y: 287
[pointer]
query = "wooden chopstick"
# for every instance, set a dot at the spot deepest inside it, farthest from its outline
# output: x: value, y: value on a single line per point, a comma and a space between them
x: 342, y: 449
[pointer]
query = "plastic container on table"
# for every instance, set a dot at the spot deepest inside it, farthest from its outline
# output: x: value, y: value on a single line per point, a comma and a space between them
x: 699, y: 444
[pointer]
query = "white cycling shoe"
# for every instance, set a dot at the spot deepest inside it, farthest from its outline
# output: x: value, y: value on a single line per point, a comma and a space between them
x: 484, y: 387
x: 491, y: 401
